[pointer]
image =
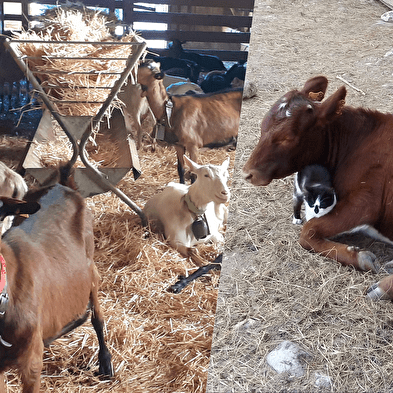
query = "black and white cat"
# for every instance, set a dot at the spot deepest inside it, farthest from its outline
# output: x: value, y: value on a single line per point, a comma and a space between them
x: 313, y: 186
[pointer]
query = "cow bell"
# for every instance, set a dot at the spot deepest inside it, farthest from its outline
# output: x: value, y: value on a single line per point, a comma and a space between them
x: 200, y: 228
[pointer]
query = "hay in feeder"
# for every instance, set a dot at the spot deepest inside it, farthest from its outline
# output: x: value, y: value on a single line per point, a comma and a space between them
x: 81, y: 72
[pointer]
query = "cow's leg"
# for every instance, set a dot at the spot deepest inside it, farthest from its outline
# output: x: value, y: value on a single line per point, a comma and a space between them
x: 344, y: 217
x: 104, y: 356
x: 180, y: 150
x: 31, y: 364
x: 382, y: 290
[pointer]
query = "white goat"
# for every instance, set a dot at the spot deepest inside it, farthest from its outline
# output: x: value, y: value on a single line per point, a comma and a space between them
x: 176, y: 208
x: 12, y: 185
x: 180, y: 88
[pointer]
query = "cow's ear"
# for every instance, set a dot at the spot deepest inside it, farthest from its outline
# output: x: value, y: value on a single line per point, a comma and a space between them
x: 315, y: 88
x: 332, y: 106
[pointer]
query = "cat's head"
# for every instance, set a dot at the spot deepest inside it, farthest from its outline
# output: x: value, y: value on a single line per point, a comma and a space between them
x: 319, y: 201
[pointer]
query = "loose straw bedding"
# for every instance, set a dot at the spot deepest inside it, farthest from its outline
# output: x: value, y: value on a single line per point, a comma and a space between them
x: 160, y: 342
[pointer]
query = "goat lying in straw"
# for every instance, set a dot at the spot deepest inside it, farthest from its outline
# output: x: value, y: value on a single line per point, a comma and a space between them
x: 188, y: 215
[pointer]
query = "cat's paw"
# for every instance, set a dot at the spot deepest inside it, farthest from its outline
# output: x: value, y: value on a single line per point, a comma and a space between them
x: 297, y: 221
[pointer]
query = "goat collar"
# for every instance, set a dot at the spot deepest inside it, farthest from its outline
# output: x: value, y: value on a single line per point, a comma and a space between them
x: 191, y: 206
x: 166, y: 118
x: 3, y: 296
x: 3, y: 288
x: 3, y: 274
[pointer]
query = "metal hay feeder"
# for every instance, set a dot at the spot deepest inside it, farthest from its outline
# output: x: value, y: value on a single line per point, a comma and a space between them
x: 89, y: 179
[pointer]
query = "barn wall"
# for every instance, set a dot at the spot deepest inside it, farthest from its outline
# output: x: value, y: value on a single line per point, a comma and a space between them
x: 218, y: 27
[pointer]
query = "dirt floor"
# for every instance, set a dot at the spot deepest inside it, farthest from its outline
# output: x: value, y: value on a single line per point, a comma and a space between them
x: 271, y: 289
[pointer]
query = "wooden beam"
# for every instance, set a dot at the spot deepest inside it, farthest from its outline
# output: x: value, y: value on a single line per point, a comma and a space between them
x: 241, y: 4
x: 195, y: 36
x: 192, y: 19
x: 224, y: 55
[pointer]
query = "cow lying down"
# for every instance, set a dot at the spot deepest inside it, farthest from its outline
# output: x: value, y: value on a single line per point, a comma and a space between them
x: 188, y: 215
x: 354, y: 144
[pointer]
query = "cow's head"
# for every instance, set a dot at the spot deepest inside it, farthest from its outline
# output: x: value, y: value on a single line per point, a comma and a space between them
x: 292, y: 132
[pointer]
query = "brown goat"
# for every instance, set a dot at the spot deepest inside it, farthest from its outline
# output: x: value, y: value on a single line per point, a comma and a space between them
x: 136, y: 108
x: 51, y: 281
x: 354, y: 144
x: 194, y: 121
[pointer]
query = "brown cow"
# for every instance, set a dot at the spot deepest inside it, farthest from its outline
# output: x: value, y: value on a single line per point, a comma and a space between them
x: 48, y: 280
x: 355, y: 144
x: 191, y: 122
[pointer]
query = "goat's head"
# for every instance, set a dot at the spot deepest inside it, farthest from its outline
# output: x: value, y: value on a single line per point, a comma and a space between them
x: 211, y: 179
x: 149, y: 73
x: 292, y: 132
x: 15, y: 207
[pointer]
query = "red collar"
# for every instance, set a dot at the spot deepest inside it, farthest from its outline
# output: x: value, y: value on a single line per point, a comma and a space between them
x: 3, y: 274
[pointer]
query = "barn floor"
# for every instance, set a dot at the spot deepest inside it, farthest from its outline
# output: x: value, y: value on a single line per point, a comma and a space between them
x: 271, y: 289
x: 159, y: 341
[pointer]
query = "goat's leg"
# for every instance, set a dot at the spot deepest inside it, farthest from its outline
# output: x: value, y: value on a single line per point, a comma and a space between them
x: 31, y: 364
x: 344, y: 217
x: 104, y: 356
x: 2, y: 383
x: 139, y: 133
x: 180, y: 150
x: 193, y: 151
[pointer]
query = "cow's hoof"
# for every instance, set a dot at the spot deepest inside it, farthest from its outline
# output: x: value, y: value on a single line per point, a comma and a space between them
x: 366, y: 261
x: 376, y: 293
x: 388, y: 267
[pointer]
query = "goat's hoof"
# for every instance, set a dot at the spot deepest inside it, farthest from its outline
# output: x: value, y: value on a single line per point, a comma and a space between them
x: 376, y: 293
x: 105, y: 369
x: 366, y: 261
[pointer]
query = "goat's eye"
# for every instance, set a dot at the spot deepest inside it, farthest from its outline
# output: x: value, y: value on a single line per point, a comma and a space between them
x: 206, y: 175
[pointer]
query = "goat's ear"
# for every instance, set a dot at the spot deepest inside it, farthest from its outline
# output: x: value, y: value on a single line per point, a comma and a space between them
x: 315, y: 88
x: 225, y: 164
x: 190, y: 165
x: 12, y: 207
